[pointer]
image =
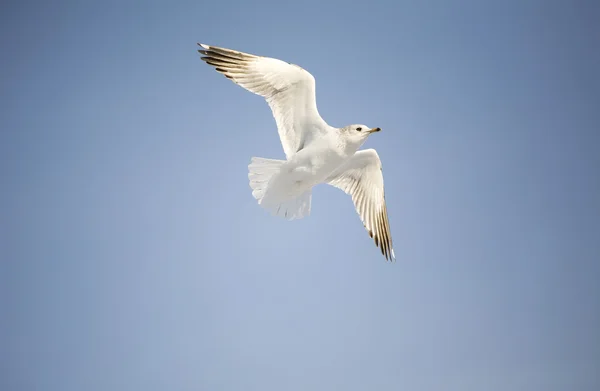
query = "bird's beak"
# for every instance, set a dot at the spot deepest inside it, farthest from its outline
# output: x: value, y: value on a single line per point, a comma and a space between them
x: 374, y: 130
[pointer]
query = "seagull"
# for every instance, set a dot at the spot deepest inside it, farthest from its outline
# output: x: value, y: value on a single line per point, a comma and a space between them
x: 315, y: 151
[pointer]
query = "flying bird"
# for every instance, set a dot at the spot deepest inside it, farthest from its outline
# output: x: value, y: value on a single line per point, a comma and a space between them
x: 315, y: 151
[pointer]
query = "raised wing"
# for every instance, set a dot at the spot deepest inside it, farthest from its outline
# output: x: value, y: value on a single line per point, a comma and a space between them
x: 288, y: 89
x: 362, y: 178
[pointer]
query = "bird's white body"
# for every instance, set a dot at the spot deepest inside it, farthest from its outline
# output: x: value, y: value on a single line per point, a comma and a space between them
x: 318, y: 159
x: 315, y: 151
x: 304, y: 170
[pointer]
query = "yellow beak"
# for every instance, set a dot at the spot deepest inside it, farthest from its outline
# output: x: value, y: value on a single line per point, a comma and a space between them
x: 374, y: 130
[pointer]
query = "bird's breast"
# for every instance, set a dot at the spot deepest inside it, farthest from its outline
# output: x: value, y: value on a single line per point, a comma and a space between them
x: 316, y: 164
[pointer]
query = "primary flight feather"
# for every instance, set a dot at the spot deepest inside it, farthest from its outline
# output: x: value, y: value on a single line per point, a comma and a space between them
x: 315, y: 152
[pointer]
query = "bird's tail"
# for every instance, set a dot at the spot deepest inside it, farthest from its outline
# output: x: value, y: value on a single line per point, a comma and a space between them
x: 274, y: 190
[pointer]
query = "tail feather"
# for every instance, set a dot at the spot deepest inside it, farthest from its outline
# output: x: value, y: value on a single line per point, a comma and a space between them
x: 260, y: 171
x: 272, y: 191
x: 295, y: 208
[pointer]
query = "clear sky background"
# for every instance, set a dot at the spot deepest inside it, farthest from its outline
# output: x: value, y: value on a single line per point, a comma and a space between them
x: 135, y: 258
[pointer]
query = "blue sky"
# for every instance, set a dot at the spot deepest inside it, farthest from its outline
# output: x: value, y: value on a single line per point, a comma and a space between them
x: 135, y: 258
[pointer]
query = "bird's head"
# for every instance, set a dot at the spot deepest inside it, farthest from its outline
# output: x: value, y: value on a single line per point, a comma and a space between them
x: 356, y: 135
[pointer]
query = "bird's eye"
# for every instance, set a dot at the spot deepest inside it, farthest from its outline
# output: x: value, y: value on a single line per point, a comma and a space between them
x: 359, y: 129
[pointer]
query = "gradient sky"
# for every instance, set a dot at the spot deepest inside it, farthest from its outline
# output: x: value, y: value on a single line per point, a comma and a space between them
x: 135, y: 258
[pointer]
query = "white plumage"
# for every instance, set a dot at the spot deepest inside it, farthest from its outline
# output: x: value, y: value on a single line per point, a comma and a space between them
x: 315, y: 152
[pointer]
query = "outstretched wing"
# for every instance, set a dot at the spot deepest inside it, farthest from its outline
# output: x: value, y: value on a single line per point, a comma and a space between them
x: 288, y: 89
x: 362, y: 178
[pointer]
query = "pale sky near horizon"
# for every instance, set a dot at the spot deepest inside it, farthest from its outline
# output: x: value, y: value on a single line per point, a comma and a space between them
x: 135, y: 258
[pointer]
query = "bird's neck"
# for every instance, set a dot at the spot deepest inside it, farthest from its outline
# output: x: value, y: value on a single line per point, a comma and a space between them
x: 344, y: 145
